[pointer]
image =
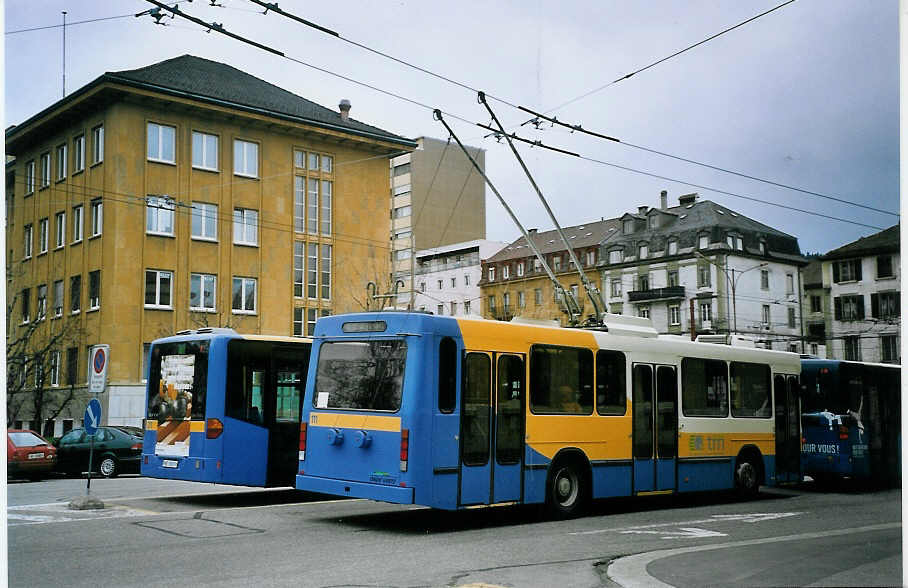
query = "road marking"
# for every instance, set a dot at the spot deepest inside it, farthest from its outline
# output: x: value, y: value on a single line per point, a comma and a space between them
x: 683, y: 533
x: 630, y: 572
x: 747, y: 518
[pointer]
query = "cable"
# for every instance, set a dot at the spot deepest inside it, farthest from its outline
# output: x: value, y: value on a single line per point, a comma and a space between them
x: 69, y: 24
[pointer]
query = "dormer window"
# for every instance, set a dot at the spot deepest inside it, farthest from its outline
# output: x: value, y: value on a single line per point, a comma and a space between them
x: 520, y: 267
x: 653, y: 221
x: 615, y: 256
x: 673, y: 247
x: 762, y: 247
x: 505, y: 272
x: 643, y: 251
x: 703, y: 242
x: 492, y: 273
x: 629, y: 226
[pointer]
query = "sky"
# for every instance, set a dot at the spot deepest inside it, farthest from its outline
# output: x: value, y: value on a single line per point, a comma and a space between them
x: 806, y: 96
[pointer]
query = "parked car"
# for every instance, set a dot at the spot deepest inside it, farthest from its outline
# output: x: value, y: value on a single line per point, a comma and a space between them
x: 117, y: 450
x: 28, y: 455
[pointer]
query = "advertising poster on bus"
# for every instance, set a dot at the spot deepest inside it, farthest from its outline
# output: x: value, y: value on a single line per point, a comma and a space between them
x: 173, y: 404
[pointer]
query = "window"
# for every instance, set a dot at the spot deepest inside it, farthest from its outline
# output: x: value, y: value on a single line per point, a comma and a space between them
x: 561, y: 380
x: 643, y: 311
x: 27, y: 231
x: 399, y: 170
x: 848, y: 270
x: 245, y: 226
x: 591, y: 257
x: 643, y: 252
x: 537, y: 296
x: 54, y: 368
x: 492, y: 273
x: 45, y: 170
x: 159, y: 215
x: 326, y: 207
x: 764, y: 279
x: 243, y: 295
x: 72, y: 365
x: 643, y: 282
x: 849, y: 308
x: 299, y: 254
x: 506, y: 301
x: 161, y: 143
x: 26, y: 301
x: 652, y: 221
x: 299, y: 159
x: 403, y: 254
x: 615, y: 255
x: 556, y: 263
x: 204, y: 221
x: 298, y: 320
x: 61, y: 162
x: 739, y: 243
x: 615, y: 285
x: 204, y: 151
x: 673, y: 247
x: 405, y: 234
x: 674, y: 315
x: 440, y: 311
x: 312, y: 273
x: 885, y: 305
x: 157, y: 288
x: 422, y: 286
x: 611, y: 393
x: 245, y: 158
x: 326, y: 272
x: 751, y: 390
x: 453, y: 282
x: 628, y: 227
x: 505, y: 272
x: 97, y: 217
x: 816, y: 304
x: 703, y: 242
x: 672, y: 277
x: 706, y: 312
x: 704, y: 274
x: 75, y: 294
x: 41, y: 306
x: 59, y: 229
x: 453, y: 308
x: 466, y: 307
x: 852, y: 348
x: 311, y: 319
x: 704, y: 387
x: 77, y: 223
x: 43, y: 229
x: 884, y: 266
x: 401, y: 212
x: 94, y: 290
x: 789, y: 283
x: 299, y: 203
x: 520, y: 266
x: 447, y: 375
x: 537, y: 265
x: 765, y: 316
x: 730, y: 241
x: 791, y: 318
x: 79, y: 153
x: 58, y: 298
x: 889, y: 349
x: 202, y: 289
x: 30, y: 177
x: 97, y: 144
x: 492, y: 303
x: 521, y: 299
x: 361, y: 376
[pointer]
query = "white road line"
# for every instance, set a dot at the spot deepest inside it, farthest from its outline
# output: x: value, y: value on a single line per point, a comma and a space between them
x: 630, y: 572
x: 745, y: 518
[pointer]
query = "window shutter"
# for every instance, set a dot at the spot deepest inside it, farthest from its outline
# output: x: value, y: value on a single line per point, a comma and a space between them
x: 838, y: 308
x: 875, y: 305
x: 857, y: 271
x: 860, y: 306
x: 898, y: 304
x: 835, y: 273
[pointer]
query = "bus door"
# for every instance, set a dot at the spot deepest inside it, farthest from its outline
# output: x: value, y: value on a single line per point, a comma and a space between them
x: 788, y: 428
x: 492, y: 424
x: 282, y: 414
x: 655, y: 427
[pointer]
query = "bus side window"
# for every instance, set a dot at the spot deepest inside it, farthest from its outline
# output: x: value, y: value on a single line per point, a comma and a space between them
x: 611, y: 390
x: 447, y: 375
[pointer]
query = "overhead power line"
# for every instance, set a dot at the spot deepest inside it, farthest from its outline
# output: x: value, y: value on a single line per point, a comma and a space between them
x: 69, y: 24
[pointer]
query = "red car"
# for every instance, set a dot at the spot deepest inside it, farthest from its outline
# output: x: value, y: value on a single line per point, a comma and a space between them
x: 28, y: 455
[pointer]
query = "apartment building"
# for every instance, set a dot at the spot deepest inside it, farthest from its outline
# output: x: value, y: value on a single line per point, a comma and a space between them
x: 176, y: 196
x: 447, y: 277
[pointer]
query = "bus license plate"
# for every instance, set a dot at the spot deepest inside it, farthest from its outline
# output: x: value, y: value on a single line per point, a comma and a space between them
x: 170, y: 463
x: 35, y: 456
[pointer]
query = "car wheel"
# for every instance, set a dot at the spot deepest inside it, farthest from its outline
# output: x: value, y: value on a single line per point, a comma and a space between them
x: 108, y: 467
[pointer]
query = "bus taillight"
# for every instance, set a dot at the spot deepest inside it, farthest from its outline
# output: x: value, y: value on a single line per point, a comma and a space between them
x: 302, y: 441
x: 404, y: 448
x: 213, y: 428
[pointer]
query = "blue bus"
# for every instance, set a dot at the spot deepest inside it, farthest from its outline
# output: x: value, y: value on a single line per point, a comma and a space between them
x: 452, y: 413
x: 851, y: 421
x: 224, y: 407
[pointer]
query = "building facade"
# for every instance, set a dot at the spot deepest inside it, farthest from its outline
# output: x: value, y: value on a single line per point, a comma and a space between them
x: 695, y: 268
x: 447, y: 278
x: 861, y: 304
x: 182, y: 195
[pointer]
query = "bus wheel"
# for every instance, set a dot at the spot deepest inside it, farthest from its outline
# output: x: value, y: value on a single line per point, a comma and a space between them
x: 747, y: 478
x: 566, y: 496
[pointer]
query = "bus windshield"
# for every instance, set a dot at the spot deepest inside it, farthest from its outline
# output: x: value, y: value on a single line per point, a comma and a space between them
x: 360, y: 375
x: 178, y: 381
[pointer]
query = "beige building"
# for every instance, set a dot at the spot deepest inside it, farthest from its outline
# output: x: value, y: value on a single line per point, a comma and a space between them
x: 176, y: 196
x: 437, y: 199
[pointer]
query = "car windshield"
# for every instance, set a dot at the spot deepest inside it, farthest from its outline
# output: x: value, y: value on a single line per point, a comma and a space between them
x: 26, y: 439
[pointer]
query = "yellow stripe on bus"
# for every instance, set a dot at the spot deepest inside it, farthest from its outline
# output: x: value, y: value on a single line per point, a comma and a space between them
x: 517, y: 338
x: 151, y: 425
x: 370, y: 422
x: 196, y: 426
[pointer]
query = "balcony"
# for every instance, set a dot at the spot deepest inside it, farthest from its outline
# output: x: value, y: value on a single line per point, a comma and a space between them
x: 667, y: 293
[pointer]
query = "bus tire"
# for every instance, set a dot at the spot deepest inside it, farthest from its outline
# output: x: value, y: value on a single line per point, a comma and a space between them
x: 567, y: 490
x: 747, y: 477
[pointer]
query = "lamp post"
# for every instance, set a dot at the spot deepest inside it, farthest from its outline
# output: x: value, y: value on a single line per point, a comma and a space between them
x: 733, y: 282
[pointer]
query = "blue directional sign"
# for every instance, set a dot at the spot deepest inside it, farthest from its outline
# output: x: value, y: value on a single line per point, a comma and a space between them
x: 92, y: 417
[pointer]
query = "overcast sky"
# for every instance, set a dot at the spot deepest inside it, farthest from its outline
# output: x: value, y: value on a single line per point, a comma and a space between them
x: 806, y: 96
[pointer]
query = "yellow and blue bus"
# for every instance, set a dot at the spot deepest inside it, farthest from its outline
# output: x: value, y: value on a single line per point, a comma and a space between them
x: 224, y: 407
x: 451, y: 413
x: 851, y: 421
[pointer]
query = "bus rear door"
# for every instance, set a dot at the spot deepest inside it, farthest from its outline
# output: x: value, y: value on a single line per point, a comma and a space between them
x: 788, y: 428
x: 492, y: 428
x: 655, y: 427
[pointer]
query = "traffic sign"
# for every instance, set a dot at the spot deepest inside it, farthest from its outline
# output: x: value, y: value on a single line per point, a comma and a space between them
x: 92, y: 416
x: 98, y: 360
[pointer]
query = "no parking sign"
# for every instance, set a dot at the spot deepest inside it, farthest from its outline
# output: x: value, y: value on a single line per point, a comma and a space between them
x: 98, y: 360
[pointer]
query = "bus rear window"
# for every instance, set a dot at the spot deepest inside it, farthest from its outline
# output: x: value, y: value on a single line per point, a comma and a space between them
x: 178, y: 381
x: 360, y: 375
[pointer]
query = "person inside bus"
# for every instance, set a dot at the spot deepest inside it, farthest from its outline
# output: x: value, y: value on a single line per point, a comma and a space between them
x: 568, y: 400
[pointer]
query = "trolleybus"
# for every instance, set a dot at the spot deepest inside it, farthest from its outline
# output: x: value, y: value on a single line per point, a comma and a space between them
x: 452, y: 413
x: 224, y: 407
x: 851, y: 421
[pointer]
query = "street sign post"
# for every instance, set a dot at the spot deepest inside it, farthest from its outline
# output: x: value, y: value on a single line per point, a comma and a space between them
x: 91, y: 420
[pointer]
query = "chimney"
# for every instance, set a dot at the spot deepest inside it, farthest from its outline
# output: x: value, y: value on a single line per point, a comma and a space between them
x: 687, y: 199
x: 344, y: 107
x: 532, y: 231
x: 663, y: 200
x: 642, y: 209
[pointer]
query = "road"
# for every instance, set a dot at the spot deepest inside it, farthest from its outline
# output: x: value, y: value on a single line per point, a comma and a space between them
x: 157, y: 533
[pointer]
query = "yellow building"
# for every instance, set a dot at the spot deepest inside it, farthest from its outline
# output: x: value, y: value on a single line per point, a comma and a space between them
x: 182, y: 195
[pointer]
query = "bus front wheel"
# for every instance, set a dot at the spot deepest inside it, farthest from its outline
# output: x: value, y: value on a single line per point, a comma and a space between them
x: 567, y: 491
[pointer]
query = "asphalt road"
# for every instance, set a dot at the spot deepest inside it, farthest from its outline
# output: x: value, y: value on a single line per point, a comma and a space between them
x: 157, y: 533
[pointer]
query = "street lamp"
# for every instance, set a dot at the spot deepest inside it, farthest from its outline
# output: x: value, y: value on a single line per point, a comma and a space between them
x: 733, y: 281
